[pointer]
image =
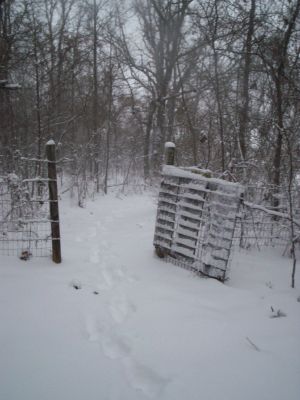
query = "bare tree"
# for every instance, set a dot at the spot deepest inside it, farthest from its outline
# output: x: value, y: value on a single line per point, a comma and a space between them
x: 244, y: 108
x: 274, y: 53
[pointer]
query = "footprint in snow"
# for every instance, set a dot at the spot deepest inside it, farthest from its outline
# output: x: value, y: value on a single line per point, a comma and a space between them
x: 107, y: 278
x: 114, y: 347
x: 143, y: 378
x: 104, y: 244
x: 111, y: 272
x: 120, y: 308
x: 100, y: 226
x: 140, y: 376
x: 92, y: 232
x: 92, y: 329
x: 94, y: 256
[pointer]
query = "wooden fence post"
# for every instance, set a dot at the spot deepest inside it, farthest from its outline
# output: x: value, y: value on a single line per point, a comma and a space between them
x: 53, y: 201
x: 169, y: 153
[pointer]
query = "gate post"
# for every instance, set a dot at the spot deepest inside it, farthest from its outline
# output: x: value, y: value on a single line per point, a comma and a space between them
x: 53, y: 201
x: 169, y: 160
x: 169, y: 153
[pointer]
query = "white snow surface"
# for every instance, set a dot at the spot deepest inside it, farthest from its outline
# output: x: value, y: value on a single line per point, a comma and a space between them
x: 187, y: 173
x: 13, y: 86
x: 138, y: 327
x: 169, y: 144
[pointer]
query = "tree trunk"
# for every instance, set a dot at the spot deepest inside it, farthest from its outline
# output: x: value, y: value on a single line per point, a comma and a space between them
x: 244, y: 109
x: 109, y: 123
x: 95, y: 133
x: 279, y: 77
x: 151, y: 112
x: 219, y: 108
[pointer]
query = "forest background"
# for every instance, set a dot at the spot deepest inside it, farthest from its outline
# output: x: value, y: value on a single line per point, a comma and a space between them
x: 112, y: 81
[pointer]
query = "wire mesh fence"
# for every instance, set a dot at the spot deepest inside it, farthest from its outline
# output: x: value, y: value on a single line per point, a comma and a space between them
x: 257, y: 228
x: 260, y: 223
x: 25, y: 228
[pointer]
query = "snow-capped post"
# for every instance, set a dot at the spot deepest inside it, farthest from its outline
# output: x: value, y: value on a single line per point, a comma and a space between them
x: 53, y: 201
x: 169, y: 153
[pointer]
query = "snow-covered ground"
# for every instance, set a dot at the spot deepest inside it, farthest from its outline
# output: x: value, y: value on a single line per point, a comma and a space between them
x: 138, y: 327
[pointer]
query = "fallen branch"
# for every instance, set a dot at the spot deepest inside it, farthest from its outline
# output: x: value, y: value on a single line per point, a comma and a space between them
x: 253, y: 344
x: 270, y: 212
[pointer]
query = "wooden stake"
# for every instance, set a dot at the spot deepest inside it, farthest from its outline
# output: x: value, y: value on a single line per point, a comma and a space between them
x: 53, y: 202
x: 169, y: 153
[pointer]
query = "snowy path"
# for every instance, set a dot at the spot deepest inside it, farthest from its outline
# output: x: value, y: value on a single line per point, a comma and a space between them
x: 137, y: 328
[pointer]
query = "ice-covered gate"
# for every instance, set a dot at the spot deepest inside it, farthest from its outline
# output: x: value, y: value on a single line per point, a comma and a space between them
x: 196, y: 218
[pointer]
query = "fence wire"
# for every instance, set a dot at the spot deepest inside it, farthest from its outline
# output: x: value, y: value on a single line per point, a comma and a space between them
x: 25, y: 228
x: 261, y: 224
x: 258, y: 228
